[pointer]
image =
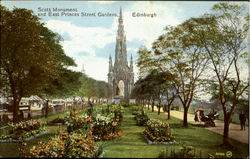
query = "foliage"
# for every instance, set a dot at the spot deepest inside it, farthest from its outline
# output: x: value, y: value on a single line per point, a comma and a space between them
x: 157, y: 130
x: 107, y: 126
x: 58, y: 120
x: 223, y: 35
x: 36, y: 64
x: 24, y: 129
x: 91, y: 88
x: 79, y: 122
x: 141, y: 119
x: 104, y: 122
x: 124, y: 104
x: 65, y: 145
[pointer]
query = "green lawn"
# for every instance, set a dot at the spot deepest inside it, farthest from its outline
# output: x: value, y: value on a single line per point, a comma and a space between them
x: 206, y: 141
x: 133, y: 144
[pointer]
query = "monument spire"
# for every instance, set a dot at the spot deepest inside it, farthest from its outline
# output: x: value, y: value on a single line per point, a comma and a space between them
x: 121, y: 12
x: 110, y: 64
x: 121, y: 48
x: 131, y: 63
x: 121, y: 77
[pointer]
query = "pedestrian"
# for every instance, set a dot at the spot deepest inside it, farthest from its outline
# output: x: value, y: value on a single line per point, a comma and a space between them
x: 242, y: 118
x: 197, y: 116
x: 90, y: 104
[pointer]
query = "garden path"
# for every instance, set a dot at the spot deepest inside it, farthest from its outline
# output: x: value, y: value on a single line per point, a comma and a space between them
x: 234, y: 132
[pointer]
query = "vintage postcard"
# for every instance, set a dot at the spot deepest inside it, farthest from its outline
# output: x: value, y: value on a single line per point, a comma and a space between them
x: 124, y: 79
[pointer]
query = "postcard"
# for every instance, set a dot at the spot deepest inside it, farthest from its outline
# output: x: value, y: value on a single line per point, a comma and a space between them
x: 124, y: 79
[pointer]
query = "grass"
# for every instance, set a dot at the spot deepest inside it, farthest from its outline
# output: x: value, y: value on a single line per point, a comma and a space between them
x: 206, y: 141
x: 133, y: 145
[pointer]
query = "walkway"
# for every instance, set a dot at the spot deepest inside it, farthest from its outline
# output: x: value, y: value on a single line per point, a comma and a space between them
x: 234, y: 132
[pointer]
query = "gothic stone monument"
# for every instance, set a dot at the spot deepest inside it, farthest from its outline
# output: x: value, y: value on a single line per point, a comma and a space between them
x: 121, y: 76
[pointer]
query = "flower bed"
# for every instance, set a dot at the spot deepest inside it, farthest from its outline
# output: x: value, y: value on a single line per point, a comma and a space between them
x: 104, y: 122
x: 141, y: 119
x: 66, y: 145
x: 10, y: 140
x: 135, y: 110
x: 158, y: 131
x: 76, y: 122
x: 27, y: 130
x: 58, y: 121
x: 106, y: 127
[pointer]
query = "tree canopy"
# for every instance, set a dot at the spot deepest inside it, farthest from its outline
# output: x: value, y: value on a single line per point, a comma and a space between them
x: 32, y: 59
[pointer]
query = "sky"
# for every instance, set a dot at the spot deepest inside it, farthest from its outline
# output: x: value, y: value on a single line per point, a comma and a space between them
x: 90, y: 40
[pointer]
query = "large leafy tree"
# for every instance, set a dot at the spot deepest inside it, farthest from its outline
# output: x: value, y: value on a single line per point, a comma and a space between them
x: 31, y: 55
x: 179, y: 53
x: 223, y: 35
x: 92, y: 88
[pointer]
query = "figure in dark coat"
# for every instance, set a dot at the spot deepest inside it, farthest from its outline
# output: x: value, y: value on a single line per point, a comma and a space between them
x: 242, y: 118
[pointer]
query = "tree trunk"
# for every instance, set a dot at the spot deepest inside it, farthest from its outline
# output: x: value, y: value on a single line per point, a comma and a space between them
x: 169, y: 111
x: 226, y: 130
x: 159, y: 109
x: 148, y: 104
x: 153, y: 102
x: 47, y: 108
x: 82, y: 102
x: 15, y: 111
x: 185, y: 123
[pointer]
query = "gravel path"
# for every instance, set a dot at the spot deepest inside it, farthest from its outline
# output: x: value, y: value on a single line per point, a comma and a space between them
x: 234, y: 132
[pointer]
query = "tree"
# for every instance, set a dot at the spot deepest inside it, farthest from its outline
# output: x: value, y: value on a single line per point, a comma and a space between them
x: 145, y: 62
x: 152, y: 86
x: 103, y: 90
x: 180, y: 53
x: 146, y: 65
x: 31, y: 56
x: 90, y: 88
x: 223, y: 35
x: 170, y: 91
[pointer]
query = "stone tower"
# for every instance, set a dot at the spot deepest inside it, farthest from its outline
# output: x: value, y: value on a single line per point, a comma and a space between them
x: 121, y: 76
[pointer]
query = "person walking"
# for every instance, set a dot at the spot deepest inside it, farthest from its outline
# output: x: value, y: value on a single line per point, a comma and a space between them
x: 197, y: 116
x: 242, y: 118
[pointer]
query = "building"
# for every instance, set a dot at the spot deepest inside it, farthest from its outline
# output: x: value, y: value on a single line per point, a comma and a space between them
x: 121, y: 76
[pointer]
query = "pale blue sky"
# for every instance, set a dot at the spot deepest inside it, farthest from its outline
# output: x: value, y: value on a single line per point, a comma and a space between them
x: 90, y: 40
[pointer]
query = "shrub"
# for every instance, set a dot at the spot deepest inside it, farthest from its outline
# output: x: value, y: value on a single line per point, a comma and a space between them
x: 141, y: 119
x: 78, y: 122
x: 156, y: 130
x: 135, y: 108
x: 125, y: 104
x: 106, y: 127
x: 24, y: 129
x: 58, y: 120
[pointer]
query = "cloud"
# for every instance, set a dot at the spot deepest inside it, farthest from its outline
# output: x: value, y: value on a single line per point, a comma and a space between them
x: 83, y: 43
x: 81, y: 39
x: 95, y: 67
x: 147, y: 28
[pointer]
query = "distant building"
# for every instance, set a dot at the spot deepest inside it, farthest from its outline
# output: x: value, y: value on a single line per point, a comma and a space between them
x: 121, y: 76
